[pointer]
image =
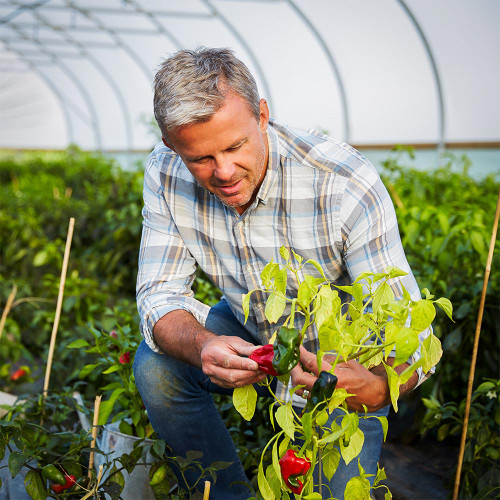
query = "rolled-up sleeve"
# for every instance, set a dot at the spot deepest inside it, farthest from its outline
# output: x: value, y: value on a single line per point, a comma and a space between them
x: 372, y: 241
x: 166, y: 267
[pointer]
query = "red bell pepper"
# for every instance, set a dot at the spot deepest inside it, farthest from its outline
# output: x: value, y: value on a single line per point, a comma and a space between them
x: 264, y: 357
x: 124, y: 359
x: 59, y: 488
x: 291, y: 468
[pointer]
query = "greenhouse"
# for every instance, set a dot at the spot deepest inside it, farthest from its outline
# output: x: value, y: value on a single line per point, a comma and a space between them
x: 326, y: 325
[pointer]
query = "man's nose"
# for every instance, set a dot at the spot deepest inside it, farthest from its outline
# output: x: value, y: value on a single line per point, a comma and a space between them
x: 224, y: 168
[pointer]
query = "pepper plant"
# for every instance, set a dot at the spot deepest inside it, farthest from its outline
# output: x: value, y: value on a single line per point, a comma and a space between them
x: 367, y: 329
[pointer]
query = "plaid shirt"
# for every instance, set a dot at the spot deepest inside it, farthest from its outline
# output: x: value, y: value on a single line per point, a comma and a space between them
x: 320, y: 197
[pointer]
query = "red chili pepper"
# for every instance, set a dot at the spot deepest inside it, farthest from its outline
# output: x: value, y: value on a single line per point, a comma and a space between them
x: 264, y: 357
x: 59, y: 488
x: 18, y: 374
x: 291, y: 468
x: 124, y: 358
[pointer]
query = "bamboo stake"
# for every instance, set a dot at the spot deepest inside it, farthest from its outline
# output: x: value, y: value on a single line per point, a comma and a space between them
x: 206, y: 493
x: 58, y: 306
x: 97, y: 404
x: 475, y: 349
x: 6, y: 310
x: 395, y: 195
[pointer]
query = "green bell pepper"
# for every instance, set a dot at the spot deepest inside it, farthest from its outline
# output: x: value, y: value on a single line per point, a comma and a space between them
x: 322, y: 390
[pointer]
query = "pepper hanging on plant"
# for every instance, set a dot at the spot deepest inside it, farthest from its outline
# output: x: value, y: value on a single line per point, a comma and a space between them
x: 322, y: 390
x: 292, y: 467
x: 69, y: 482
x: 283, y: 356
x: 53, y: 474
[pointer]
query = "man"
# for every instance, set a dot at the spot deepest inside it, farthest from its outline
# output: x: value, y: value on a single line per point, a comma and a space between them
x: 224, y: 191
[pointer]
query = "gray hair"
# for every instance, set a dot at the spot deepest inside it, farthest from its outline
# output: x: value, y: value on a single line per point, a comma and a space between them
x: 191, y: 86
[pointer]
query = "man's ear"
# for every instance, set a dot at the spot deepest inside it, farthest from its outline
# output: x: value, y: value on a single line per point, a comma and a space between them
x: 169, y: 146
x: 264, y: 115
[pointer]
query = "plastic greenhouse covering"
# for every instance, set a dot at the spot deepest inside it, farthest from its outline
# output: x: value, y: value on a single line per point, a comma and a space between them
x: 368, y: 72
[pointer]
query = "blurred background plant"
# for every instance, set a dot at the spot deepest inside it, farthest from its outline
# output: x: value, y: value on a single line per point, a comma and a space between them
x: 445, y: 218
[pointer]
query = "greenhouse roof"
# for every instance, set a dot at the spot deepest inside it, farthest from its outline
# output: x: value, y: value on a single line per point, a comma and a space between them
x: 368, y: 72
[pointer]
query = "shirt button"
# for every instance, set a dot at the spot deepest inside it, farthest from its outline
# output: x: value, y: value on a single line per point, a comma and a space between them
x: 249, y: 268
x: 260, y: 306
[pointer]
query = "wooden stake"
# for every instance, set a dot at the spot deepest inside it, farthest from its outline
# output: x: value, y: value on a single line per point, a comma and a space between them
x: 475, y: 349
x: 58, y: 306
x: 97, y: 404
x: 206, y: 493
x: 8, y: 305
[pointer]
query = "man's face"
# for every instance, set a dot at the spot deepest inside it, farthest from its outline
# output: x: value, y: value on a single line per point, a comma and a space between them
x: 228, y: 153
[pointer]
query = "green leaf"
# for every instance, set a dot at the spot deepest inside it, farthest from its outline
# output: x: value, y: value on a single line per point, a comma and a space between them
x: 304, y: 294
x: 35, y: 485
x: 477, y: 241
x: 40, y: 258
x: 16, y: 462
x: 313, y: 496
x: 277, y: 469
x: 244, y: 400
x: 385, y: 425
x: 330, y: 461
x: 394, y: 383
x: 117, y: 478
x: 284, y: 417
x: 353, y: 449
x: 264, y: 488
x: 357, y: 488
x: 275, y: 306
x: 269, y: 272
x: 107, y: 406
x: 382, y: 295
x: 433, y: 352
x: 317, y: 266
x: 274, y: 480
x: 406, y: 344
x: 423, y: 313
x: 111, y: 369
x: 381, y: 475
x: 245, y: 303
x: 307, y: 425
x: 446, y: 305
x: 285, y: 253
x: 280, y: 280
x: 76, y: 344
x: 87, y: 370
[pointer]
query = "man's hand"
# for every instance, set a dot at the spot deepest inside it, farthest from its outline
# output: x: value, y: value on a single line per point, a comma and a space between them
x: 369, y: 387
x: 222, y: 359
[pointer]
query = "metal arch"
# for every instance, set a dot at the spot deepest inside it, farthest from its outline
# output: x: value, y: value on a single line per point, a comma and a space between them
x: 107, y: 76
x: 73, y: 78
x: 247, y: 48
x: 333, y: 65
x: 435, y: 72
x: 55, y: 90
x: 119, y: 42
x: 161, y: 29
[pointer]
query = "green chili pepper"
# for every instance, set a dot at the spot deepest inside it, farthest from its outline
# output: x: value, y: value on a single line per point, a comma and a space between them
x: 53, y: 474
x: 322, y: 390
x: 159, y: 475
x: 286, y: 350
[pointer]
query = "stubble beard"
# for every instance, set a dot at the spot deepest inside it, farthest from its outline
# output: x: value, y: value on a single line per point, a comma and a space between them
x: 261, y: 158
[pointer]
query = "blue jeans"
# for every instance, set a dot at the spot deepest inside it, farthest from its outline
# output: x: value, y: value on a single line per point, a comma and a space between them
x: 181, y: 409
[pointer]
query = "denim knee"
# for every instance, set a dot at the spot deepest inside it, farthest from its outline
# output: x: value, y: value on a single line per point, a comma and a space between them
x: 163, y: 380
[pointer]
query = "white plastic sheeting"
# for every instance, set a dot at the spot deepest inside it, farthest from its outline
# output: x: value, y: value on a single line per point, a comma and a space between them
x: 366, y: 71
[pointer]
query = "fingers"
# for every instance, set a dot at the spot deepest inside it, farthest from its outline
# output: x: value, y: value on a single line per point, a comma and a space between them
x: 300, y: 377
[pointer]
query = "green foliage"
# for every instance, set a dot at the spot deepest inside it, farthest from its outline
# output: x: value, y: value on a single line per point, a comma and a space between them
x: 376, y: 323
x: 445, y: 219
x: 480, y: 470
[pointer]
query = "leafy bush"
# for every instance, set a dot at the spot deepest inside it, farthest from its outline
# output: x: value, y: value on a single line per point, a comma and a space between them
x: 445, y: 219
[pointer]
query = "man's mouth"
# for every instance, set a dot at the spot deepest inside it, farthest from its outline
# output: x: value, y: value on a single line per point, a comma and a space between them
x: 230, y: 189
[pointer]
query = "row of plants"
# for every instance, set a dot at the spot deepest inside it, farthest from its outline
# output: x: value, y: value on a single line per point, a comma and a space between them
x: 445, y: 219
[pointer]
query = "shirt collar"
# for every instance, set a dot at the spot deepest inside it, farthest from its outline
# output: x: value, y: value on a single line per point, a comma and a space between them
x: 272, y: 165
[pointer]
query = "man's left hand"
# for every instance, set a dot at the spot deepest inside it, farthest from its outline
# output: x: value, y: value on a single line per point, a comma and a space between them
x: 370, y: 388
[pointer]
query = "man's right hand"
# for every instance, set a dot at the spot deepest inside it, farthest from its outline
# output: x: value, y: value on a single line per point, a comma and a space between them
x: 224, y: 360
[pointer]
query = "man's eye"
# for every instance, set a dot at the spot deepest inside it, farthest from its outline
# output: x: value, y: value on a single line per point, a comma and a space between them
x: 235, y: 148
